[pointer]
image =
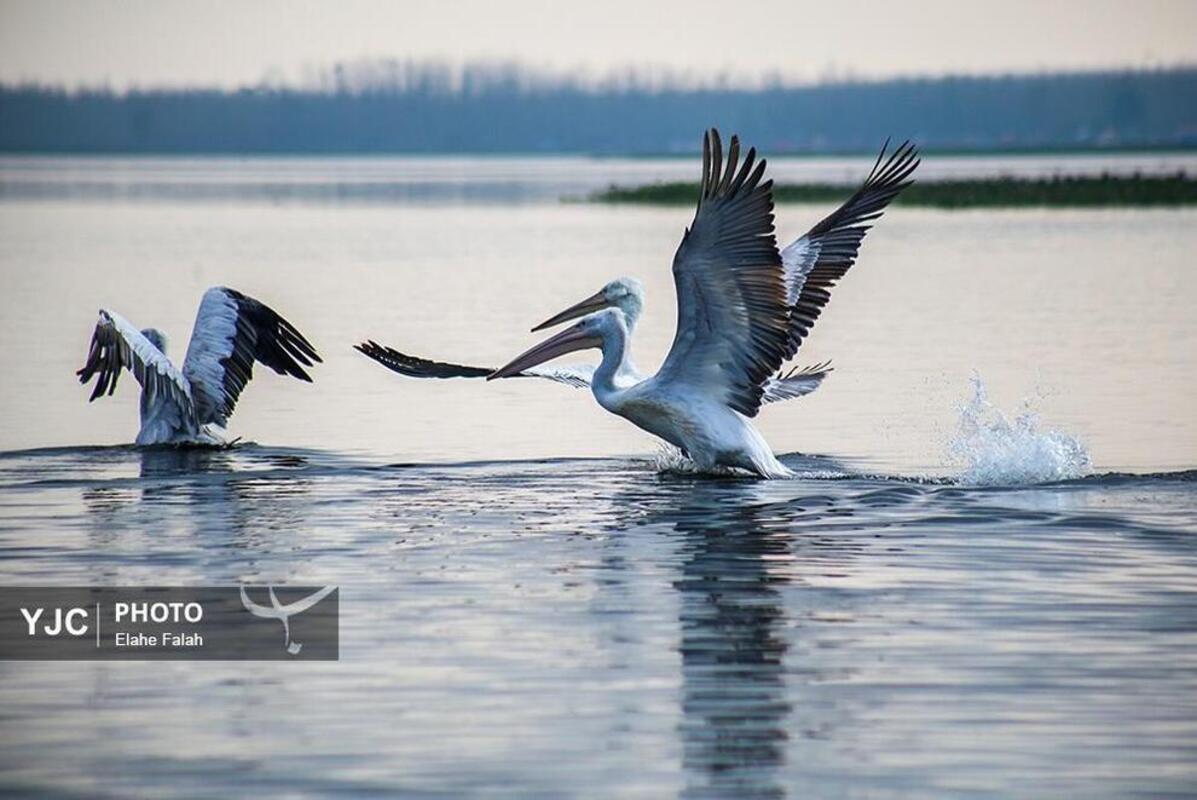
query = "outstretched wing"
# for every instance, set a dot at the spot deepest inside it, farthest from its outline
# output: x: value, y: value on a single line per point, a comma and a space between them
x: 416, y: 367
x: 814, y: 262
x: 733, y: 314
x: 795, y: 383
x: 115, y: 345
x: 577, y: 376
x: 231, y: 332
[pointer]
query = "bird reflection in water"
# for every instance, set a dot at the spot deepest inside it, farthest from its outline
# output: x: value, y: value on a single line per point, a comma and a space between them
x: 733, y: 645
x: 226, y: 495
x: 744, y: 548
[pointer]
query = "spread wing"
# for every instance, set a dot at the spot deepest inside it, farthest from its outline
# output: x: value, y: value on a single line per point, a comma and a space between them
x: 733, y: 310
x: 814, y: 262
x: 795, y: 383
x: 231, y: 332
x: 116, y: 345
x: 577, y: 376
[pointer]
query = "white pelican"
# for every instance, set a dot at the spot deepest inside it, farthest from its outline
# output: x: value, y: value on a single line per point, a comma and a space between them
x: 743, y: 310
x: 184, y: 406
x: 626, y: 294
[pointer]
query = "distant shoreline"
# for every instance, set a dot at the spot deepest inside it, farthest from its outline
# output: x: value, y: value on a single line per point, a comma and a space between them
x: 813, y: 155
x: 421, y: 107
x: 1179, y: 189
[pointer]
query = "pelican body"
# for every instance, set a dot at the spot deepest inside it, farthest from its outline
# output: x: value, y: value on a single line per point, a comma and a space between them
x: 708, y: 432
x: 189, y: 405
x: 744, y: 309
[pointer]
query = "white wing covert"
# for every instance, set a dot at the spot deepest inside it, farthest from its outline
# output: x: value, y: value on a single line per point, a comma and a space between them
x: 795, y: 383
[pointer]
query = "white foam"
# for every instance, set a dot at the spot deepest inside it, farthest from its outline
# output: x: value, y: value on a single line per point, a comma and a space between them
x: 669, y: 460
x: 991, y: 450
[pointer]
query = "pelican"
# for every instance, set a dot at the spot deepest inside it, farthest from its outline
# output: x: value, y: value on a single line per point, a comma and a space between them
x: 184, y: 406
x: 744, y: 309
x: 625, y: 294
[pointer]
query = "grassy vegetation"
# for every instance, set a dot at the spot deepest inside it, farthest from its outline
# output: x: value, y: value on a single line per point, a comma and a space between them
x: 1088, y: 192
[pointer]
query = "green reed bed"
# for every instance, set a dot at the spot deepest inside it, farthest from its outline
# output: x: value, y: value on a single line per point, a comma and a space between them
x: 1178, y: 189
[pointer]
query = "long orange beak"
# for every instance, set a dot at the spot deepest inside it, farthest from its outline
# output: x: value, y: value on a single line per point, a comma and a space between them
x: 567, y: 341
x: 596, y: 302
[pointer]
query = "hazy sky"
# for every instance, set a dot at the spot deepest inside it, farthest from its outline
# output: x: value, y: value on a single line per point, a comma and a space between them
x: 148, y: 42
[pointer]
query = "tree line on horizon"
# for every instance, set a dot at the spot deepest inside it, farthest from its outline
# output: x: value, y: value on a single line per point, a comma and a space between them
x: 427, y: 109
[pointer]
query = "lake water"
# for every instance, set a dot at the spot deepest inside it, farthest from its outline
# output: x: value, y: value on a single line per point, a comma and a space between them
x: 983, y: 583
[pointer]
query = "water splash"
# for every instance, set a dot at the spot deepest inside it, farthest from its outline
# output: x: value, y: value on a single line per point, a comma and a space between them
x: 669, y: 460
x: 992, y: 450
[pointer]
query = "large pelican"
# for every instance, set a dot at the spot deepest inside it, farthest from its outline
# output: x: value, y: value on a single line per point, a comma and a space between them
x: 183, y: 406
x: 743, y: 310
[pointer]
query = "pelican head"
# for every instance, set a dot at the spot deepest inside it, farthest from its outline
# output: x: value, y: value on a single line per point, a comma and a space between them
x: 591, y: 331
x: 626, y: 294
x: 157, y: 338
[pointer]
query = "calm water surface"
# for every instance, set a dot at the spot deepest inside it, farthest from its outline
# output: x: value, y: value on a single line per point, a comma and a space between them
x: 530, y: 605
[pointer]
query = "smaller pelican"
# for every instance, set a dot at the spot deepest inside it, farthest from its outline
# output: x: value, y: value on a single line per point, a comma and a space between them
x: 184, y: 406
x: 626, y: 294
x: 744, y: 308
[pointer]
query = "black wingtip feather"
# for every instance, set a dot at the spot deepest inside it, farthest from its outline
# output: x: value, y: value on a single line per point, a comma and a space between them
x: 840, y: 234
x: 416, y: 367
x: 734, y: 220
